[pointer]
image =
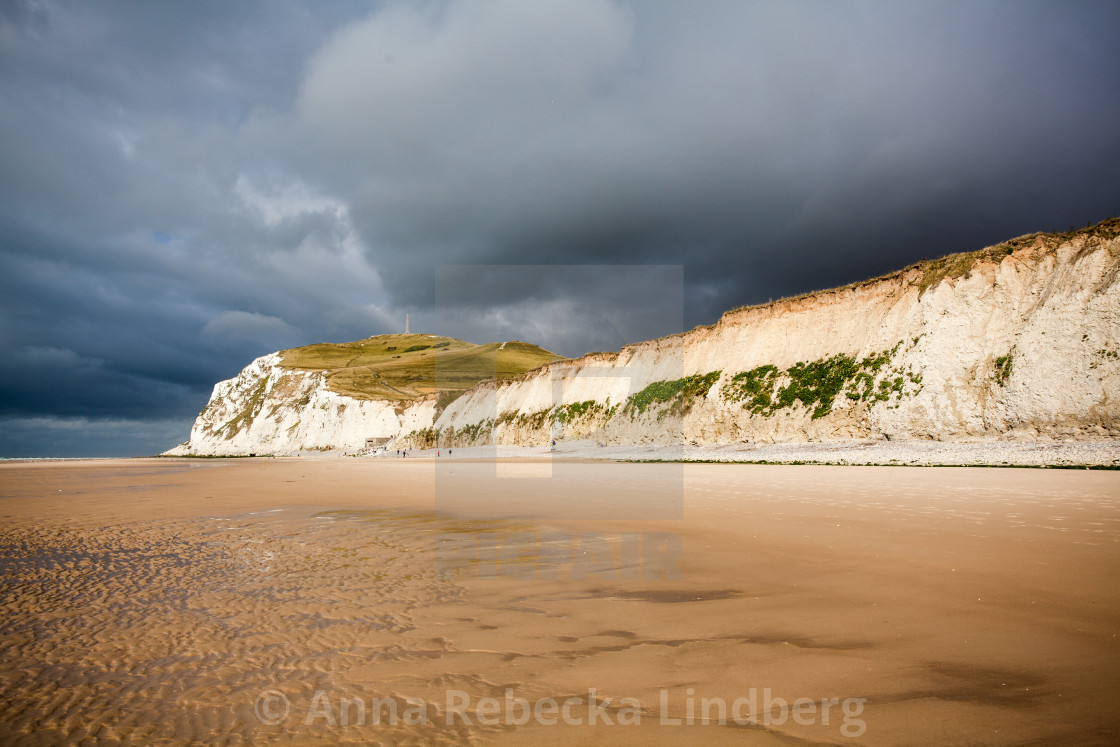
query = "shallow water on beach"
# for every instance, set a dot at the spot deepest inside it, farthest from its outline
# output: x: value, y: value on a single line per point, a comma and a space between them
x: 950, y: 606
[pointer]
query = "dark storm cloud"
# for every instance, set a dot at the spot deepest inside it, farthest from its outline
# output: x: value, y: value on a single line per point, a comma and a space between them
x: 145, y: 252
x: 768, y: 146
x: 186, y: 186
x: 571, y: 309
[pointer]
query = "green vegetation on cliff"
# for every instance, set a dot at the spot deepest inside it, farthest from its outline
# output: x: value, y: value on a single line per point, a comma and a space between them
x: 1003, y: 369
x: 403, y: 368
x: 766, y: 389
x: 576, y: 410
x: 952, y: 266
x: 244, y: 419
x: 678, y: 393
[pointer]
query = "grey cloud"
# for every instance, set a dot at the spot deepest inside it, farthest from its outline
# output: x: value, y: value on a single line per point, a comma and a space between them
x: 245, y: 326
x: 569, y: 309
x: 731, y: 137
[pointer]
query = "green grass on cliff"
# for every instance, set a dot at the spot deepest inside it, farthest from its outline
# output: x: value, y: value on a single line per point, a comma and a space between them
x: 679, y: 392
x: 960, y: 265
x: 402, y: 368
x: 766, y: 389
x: 933, y: 271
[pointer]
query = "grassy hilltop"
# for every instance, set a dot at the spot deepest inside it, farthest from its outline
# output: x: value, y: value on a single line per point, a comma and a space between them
x: 402, y: 368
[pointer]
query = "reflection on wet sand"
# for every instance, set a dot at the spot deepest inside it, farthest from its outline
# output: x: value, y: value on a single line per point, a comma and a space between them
x: 286, y: 602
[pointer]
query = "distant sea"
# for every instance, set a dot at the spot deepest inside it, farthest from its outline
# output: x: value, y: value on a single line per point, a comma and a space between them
x: 54, y: 459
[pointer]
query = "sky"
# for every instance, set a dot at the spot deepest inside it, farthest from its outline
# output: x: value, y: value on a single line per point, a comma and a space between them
x: 187, y: 186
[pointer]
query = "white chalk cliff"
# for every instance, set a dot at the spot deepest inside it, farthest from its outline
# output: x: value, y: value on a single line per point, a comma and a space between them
x: 1021, y: 340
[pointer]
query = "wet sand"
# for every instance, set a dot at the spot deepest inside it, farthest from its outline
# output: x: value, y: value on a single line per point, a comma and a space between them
x: 258, y: 601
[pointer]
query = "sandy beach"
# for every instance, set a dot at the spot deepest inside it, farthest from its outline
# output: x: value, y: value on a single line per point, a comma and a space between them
x: 407, y: 601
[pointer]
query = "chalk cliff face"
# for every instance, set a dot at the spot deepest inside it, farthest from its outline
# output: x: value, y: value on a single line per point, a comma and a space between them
x: 271, y: 409
x: 1021, y: 340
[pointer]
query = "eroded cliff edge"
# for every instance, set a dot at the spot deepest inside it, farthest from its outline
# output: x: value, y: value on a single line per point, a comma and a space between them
x: 1020, y: 340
